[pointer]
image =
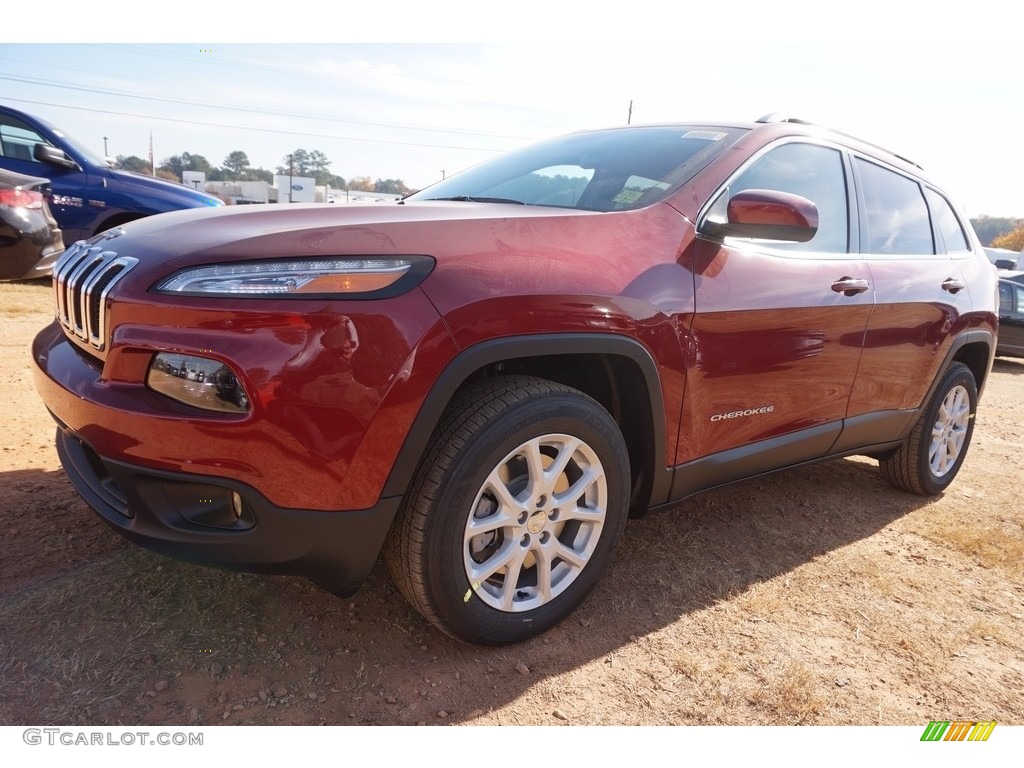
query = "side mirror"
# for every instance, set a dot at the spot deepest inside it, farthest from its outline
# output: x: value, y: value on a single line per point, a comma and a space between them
x: 1004, y: 264
x: 765, y: 214
x: 44, y: 153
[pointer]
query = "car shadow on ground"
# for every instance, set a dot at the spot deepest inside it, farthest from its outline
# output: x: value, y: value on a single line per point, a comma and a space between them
x: 1010, y: 365
x: 94, y: 630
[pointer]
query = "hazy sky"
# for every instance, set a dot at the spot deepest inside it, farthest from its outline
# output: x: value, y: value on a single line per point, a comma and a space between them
x: 940, y: 94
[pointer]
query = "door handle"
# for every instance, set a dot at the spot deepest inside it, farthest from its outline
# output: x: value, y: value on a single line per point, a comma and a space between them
x: 953, y: 285
x: 850, y: 286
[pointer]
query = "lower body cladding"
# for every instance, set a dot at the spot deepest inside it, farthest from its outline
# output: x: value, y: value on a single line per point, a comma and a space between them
x: 215, y: 521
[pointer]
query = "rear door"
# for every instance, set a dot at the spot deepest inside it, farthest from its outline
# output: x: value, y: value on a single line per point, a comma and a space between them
x: 910, y: 237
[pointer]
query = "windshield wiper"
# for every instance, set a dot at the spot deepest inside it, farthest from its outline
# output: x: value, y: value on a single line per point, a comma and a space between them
x: 468, y: 199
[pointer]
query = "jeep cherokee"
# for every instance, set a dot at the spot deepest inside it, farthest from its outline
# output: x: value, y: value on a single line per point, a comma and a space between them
x: 484, y: 381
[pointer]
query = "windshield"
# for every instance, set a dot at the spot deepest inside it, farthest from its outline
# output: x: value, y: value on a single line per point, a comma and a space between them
x: 80, y: 148
x: 612, y: 170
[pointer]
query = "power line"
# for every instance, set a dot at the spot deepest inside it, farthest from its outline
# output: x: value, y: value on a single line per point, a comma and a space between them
x: 253, y: 128
x: 127, y: 94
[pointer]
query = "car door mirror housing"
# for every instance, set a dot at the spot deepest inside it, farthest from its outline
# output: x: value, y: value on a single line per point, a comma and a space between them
x: 765, y: 214
x: 45, y: 153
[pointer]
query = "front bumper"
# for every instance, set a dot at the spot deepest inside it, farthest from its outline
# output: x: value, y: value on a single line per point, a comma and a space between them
x: 193, y: 517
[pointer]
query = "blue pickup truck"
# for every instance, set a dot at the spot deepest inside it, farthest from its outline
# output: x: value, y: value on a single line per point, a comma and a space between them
x: 88, y: 195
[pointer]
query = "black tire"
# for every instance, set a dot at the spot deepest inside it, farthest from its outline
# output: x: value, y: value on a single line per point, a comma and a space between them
x: 934, y: 451
x: 490, y: 461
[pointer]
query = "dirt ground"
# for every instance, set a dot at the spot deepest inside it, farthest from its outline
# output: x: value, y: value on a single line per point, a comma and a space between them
x: 816, y: 596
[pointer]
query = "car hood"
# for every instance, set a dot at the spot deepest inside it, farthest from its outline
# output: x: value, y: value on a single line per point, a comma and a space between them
x: 184, y: 238
x: 167, y: 190
x: 480, y: 249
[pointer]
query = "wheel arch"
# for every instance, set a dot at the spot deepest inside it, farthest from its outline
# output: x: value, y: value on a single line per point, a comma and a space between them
x: 616, y: 371
x: 116, y: 220
x: 976, y: 350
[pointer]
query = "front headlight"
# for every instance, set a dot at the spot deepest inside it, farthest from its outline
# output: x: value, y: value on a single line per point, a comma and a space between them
x: 351, y: 278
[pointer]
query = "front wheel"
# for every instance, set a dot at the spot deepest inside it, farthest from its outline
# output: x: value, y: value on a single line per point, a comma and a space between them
x: 515, y: 512
x: 934, y: 451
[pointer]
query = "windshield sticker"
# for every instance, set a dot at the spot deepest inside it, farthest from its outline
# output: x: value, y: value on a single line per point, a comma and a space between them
x: 706, y: 135
x: 628, y: 196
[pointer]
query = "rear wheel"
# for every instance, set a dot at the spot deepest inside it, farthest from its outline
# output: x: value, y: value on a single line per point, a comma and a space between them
x: 515, y: 513
x: 932, y: 455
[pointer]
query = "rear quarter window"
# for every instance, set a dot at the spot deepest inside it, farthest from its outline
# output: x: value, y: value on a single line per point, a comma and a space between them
x: 946, y: 221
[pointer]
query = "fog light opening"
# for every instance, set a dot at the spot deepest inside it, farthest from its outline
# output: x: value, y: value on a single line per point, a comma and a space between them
x: 197, y: 381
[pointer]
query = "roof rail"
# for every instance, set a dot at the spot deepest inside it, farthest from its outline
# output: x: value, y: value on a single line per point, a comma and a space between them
x: 781, y: 117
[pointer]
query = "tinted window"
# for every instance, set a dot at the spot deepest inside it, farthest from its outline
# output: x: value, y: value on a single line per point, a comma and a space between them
x: 896, y: 216
x: 813, y: 172
x: 17, y: 140
x: 947, y: 222
x: 1005, y: 298
x: 614, y: 170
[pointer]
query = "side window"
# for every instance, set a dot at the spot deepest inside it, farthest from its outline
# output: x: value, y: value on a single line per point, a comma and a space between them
x: 947, y: 222
x: 17, y: 140
x: 813, y: 172
x: 1005, y: 299
x: 896, y: 216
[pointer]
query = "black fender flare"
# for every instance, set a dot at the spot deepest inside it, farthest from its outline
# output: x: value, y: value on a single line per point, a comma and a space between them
x: 977, y: 335
x: 478, y: 356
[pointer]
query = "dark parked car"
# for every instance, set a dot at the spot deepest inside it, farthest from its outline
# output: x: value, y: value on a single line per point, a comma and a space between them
x: 1011, y: 319
x: 30, y: 240
x: 1013, y: 275
x: 486, y: 380
x: 88, y: 195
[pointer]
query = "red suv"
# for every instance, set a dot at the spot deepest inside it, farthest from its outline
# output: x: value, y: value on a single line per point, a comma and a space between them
x: 485, y: 380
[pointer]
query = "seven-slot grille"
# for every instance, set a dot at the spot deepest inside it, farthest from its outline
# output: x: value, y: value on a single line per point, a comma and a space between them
x: 82, y: 279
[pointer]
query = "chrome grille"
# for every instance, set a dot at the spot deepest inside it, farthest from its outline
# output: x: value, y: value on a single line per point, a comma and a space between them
x: 82, y: 280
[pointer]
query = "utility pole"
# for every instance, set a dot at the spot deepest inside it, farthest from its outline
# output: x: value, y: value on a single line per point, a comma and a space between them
x: 290, y: 184
x: 105, y: 153
x: 629, y: 117
x: 442, y: 174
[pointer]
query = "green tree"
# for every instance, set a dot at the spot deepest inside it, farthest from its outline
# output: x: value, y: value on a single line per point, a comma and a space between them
x: 235, y: 165
x: 186, y: 161
x: 313, y: 164
x: 259, y: 174
x: 319, y: 166
x: 391, y: 187
x: 132, y: 163
x: 295, y: 164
